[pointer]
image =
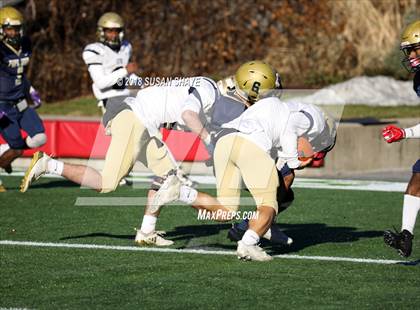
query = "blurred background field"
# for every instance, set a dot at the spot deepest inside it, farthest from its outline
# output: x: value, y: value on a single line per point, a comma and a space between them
x: 86, y: 106
x: 312, y: 43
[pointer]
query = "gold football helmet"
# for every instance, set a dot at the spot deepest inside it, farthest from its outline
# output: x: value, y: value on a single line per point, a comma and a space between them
x: 110, y: 20
x: 11, y: 18
x: 410, y: 41
x: 255, y: 79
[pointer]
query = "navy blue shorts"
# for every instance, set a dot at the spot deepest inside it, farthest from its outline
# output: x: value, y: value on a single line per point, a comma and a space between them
x: 416, y: 166
x: 285, y: 171
x: 14, y: 121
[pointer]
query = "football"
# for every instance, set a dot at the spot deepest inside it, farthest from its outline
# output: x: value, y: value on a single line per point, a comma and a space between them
x: 305, y: 150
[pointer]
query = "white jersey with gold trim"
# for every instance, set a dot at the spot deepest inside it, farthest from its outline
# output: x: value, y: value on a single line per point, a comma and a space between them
x: 156, y: 105
x: 107, y: 69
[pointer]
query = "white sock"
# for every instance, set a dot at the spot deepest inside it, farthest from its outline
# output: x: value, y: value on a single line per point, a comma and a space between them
x: 148, y: 224
x: 3, y: 148
x: 187, y: 194
x: 55, y: 166
x: 250, y: 237
x: 410, y: 209
x: 268, y: 234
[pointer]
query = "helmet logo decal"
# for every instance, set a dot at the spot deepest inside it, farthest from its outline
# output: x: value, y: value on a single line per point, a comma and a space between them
x: 256, y: 87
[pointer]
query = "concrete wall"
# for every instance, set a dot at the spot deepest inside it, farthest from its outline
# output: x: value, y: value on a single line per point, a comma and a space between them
x: 361, y: 149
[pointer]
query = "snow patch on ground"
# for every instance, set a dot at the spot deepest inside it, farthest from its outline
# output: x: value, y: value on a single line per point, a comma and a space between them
x: 374, y: 91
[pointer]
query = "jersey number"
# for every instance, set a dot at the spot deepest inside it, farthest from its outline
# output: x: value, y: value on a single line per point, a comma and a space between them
x: 19, y: 74
x: 256, y: 87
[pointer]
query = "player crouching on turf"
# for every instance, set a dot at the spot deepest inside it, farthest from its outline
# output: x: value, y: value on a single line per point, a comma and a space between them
x: 135, y: 136
x: 319, y: 138
x: 321, y: 133
x: 15, y: 89
x: 242, y: 152
x: 402, y: 241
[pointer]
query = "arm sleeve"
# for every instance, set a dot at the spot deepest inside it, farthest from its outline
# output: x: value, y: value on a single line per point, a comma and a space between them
x: 201, y: 97
x: 192, y: 104
x: 105, y: 81
x: 412, y: 132
x: 289, y: 152
x: 94, y: 61
x: 298, y: 124
x: 208, y: 94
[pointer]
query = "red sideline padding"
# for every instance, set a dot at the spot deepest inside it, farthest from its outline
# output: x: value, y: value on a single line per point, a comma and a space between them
x: 87, y: 139
x: 185, y: 146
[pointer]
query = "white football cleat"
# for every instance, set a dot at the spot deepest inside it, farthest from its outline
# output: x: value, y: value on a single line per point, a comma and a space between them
x: 252, y: 252
x: 275, y: 235
x: 168, y: 192
x: 37, y: 168
x: 154, y: 238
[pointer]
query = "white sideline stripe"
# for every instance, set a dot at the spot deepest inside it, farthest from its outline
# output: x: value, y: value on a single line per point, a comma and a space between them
x: 361, y: 185
x: 192, y: 251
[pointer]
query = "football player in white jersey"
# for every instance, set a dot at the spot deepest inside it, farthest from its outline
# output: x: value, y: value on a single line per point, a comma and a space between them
x: 402, y: 241
x: 242, y: 153
x: 108, y: 60
x: 214, y: 104
x: 134, y: 128
x: 181, y: 101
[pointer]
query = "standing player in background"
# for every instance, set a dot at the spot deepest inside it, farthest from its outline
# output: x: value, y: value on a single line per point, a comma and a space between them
x: 109, y: 64
x: 15, y: 89
x: 108, y: 61
x: 402, y: 241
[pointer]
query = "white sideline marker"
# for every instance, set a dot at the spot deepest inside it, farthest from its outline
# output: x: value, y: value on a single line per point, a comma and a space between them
x: 192, y: 251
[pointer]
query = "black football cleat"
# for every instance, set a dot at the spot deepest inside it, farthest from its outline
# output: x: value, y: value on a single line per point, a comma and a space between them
x: 8, y: 169
x: 236, y: 233
x: 402, y: 241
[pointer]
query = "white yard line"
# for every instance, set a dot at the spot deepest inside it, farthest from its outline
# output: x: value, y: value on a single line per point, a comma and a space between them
x: 192, y: 251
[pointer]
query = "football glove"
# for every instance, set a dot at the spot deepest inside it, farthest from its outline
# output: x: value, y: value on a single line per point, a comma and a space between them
x: 35, y: 97
x: 393, y: 133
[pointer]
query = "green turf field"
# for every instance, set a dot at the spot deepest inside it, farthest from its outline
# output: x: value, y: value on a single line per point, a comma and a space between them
x: 328, y: 223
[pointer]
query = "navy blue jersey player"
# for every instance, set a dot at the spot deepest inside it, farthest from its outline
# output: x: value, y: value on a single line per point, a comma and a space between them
x: 16, y: 91
x: 402, y: 241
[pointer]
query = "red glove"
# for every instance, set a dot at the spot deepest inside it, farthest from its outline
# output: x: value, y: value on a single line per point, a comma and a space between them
x: 393, y: 133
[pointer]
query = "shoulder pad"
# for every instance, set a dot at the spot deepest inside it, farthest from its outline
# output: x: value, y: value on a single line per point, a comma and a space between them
x: 226, y: 85
x: 92, y: 54
x: 95, y: 48
x: 125, y: 43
